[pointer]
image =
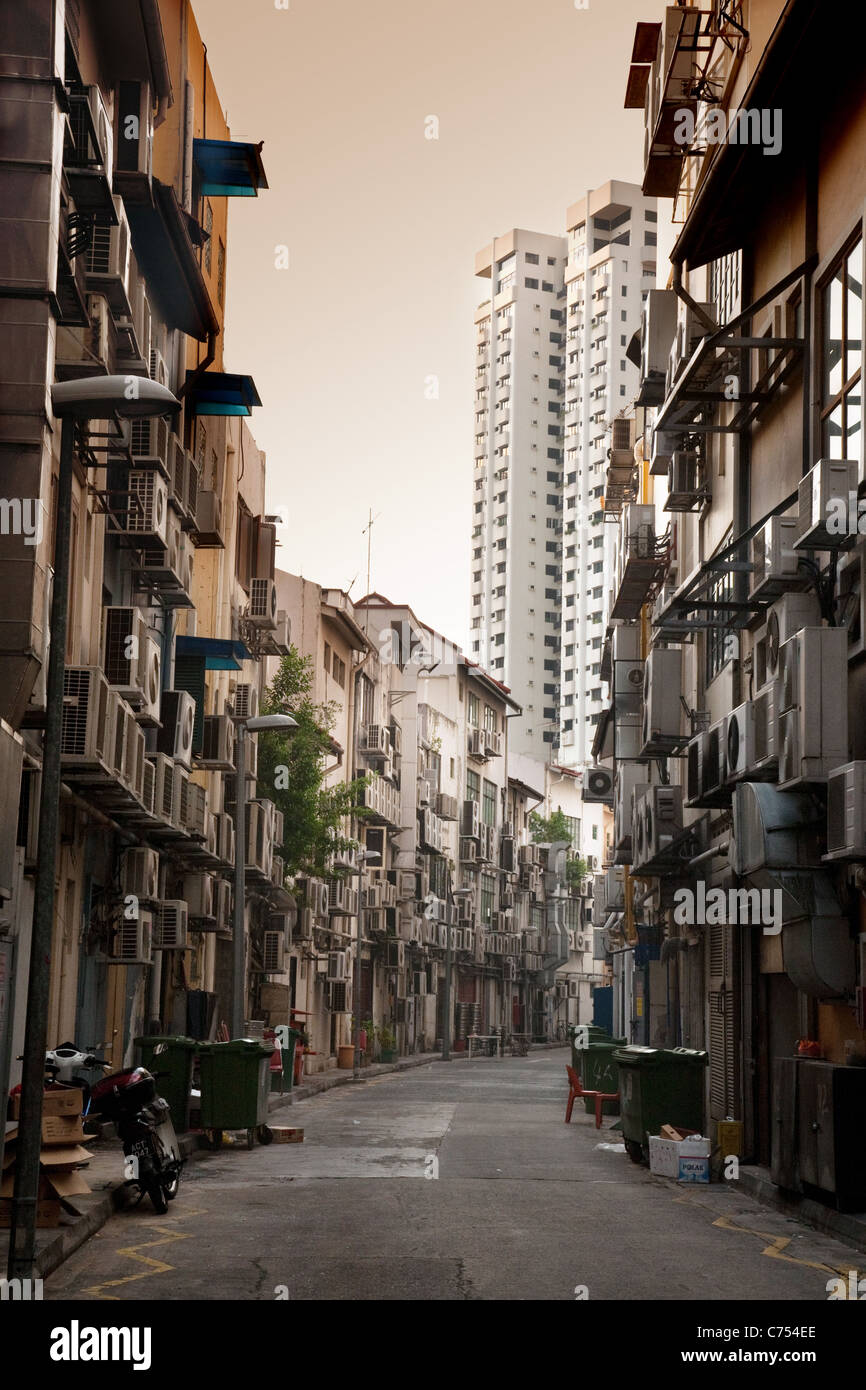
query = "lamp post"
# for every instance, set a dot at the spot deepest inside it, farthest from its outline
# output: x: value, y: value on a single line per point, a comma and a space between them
x: 258, y: 724
x: 365, y: 857
x: 77, y: 401
x: 446, y: 1001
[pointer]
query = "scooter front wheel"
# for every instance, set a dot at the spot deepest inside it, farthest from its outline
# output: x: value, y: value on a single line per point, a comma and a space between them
x: 157, y: 1194
x: 170, y: 1187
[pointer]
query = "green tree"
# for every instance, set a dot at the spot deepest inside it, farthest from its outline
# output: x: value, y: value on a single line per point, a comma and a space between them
x: 291, y: 769
x: 547, y: 829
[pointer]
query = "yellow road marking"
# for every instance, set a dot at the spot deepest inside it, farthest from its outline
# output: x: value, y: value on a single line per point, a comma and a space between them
x: 167, y: 1234
x: 778, y: 1244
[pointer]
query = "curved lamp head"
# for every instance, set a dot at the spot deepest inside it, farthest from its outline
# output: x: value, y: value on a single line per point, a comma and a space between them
x: 100, y: 397
x: 261, y: 722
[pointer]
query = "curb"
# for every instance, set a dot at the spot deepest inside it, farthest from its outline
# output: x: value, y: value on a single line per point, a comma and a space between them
x: 71, y: 1238
x: 850, y: 1228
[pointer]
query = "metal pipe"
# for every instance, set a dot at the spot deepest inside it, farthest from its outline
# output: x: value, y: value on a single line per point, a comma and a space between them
x: 22, y: 1236
x: 238, y: 971
x: 446, y: 995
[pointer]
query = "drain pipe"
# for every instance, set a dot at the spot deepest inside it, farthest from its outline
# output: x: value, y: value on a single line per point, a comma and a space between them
x: 683, y: 294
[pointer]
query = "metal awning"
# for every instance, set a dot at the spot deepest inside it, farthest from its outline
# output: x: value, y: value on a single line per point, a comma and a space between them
x: 229, y: 168
x: 221, y: 393
x: 220, y: 654
x: 168, y: 259
x: 694, y: 400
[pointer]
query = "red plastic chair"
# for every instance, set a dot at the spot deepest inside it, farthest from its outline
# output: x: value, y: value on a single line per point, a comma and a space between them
x: 576, y: 1091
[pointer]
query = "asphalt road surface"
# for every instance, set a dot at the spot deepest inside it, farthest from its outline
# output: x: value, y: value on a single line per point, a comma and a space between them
x: 449, y: 1182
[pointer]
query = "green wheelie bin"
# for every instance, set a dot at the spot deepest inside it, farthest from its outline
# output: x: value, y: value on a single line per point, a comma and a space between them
x: 235, y: 1084
x: 592, y: 1033
x: 287, y: 1040
x: 599, y: 1072
x: 658, y: 1087
x: 173, y: 1063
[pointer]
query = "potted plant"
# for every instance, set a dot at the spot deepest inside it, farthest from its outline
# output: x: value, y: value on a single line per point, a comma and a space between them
x: 387, y: 1039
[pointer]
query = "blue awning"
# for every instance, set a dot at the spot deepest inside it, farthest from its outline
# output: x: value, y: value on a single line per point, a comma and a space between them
x: 220, y: 654
x: 221, y: 393
x: 229, y: 168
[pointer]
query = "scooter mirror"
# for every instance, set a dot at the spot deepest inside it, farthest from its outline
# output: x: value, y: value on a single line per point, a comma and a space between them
x: 159, y: 1049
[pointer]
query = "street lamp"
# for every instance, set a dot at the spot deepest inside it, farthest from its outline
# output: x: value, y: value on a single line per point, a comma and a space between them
x: 73, y: 402
x: 446, y: 1001
x: 365, y: 857
x: 260, y: 723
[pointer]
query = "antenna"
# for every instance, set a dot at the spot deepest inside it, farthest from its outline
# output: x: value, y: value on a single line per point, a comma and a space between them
x: 368, y: 532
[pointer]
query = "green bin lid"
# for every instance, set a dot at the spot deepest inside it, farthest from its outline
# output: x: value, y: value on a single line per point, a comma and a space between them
x: 153, y: 1038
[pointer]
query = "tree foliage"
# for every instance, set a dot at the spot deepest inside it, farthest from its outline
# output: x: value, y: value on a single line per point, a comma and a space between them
x: 291, y: 770
x: 546, y: 830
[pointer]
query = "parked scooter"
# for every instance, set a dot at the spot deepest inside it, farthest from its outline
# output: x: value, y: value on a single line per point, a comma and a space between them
x: 129, y: 1100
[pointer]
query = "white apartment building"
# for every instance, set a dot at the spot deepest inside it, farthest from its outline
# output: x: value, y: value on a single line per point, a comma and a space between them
x: 517, y: 478
x: 611, y: 266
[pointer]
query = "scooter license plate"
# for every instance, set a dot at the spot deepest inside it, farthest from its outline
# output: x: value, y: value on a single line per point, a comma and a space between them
x: 130, y: 1168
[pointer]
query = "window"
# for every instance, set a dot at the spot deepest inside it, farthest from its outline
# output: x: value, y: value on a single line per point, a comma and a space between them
x: 490, y: 720
x: 841, y: 355
x: 474, y: 709
x: 531, y: 258
x: 473, y: 786
x: 339, y: 671
x: 488, y: 888
x: 327, y: 662
x: 488, y: 803
x: 208, y: 226
x: 530, y: 283
x: 717, y: 648
x: 221, y: 273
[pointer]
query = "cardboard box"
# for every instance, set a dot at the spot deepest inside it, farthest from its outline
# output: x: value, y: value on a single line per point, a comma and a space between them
x: 664, y: 1156
x: 47, y: 1213
x: 694, y: 1169
x: 56, y: 1102
x: 62, y: 1129
x: 285, y: 1134
x: 674, y: 1132
x: 667, y: 1157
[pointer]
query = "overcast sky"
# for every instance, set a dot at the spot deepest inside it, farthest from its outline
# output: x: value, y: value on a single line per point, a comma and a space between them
x: 382, y: 226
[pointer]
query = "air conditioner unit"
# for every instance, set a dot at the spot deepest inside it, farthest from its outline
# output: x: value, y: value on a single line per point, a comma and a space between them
x: 407, y: 884
x: 87, y: 727
x: 629, y: 778
x: 468, y: 850
x: 164, y: 792
x: 143, y: 510
x: 149, y: 442
x: 447, y: 807
x: 223, y: 904
x: 191, y: 490
x: 470, y: 820
x: 273, y: 952
x: 598, y: 786
x: 208, y: 519
x: 170, y: 926
x: 178, y: 721
x: 492, y: 743
x: 658, y: 819
x: 785, y: 618
x: 395, y: 957
x: 305, y: 923
x: 825, y: 499
x: 774, y: 560
x: 851, y: 600
x: 193, y: 807
x: 713, y: 780
x: 198, y: 892
x: 476, y: 745
x: 139, y: 874
x: 658, y: 330
x: 263, y: 604
x: 375, y: 740
x: 134, y: 943
x: 846, y: 812
x: 337, y: 965
x: 685, y: 484
x: 662, y: 704
x: 245, y: 701
x: 225, y: 838
x: 218, y: 743
x: 573, y: 989
x: 133, y: 134
x: 740, y: 756
x: 614, y: 888
x: 507, y: 853
x: 813, y: 727
x: 282, y: 638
